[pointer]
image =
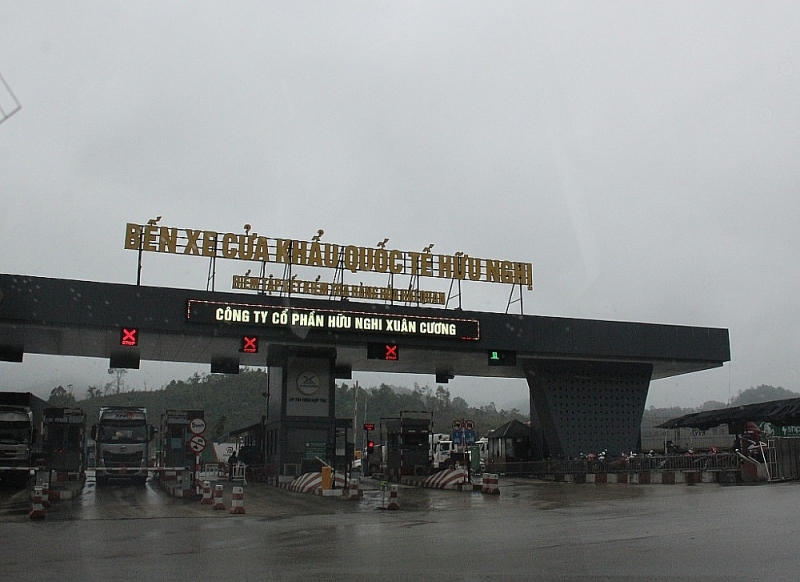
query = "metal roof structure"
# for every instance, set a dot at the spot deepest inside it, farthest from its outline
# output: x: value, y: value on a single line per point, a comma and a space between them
x: 513, y: 428
x: 780, y: 412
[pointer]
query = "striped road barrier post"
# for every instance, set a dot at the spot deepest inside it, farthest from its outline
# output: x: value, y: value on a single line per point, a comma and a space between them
x: 393, y: 503
x: 218, y: 502
x: 237, y: 501
x: 37, y: 510
x: 491, y: 484
x: 353, y: 490
x: 206, y: 500
x: 46, y: 495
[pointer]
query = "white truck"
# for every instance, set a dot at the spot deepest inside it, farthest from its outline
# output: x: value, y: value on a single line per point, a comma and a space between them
x: 21, y: 446
x: 441, y: 449
x: 444, y: 454
x: 122, y: 439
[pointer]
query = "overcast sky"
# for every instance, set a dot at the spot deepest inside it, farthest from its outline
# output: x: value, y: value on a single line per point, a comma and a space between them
x: 643, y: 156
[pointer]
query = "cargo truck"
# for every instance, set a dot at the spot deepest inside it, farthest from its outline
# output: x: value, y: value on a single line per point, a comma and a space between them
x: 122, y: 444
x: 407, y: 444
x: 64, y: 440
x: 21, y: 445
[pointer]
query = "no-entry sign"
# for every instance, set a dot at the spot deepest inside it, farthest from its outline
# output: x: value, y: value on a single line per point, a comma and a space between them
x: 197, y: 444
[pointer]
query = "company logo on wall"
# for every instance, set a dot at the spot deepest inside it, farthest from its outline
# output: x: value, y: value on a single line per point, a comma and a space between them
x: 308, y: 388
x: 307, y: 383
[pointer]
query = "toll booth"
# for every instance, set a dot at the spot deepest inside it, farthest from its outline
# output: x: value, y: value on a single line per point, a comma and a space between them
x: 300, y: 424
x: 509, y: 445
x: 250, y: 439
x: 180, y: 443
x: 407, y: 443
x: 64, y: 432
x: 344, y: 450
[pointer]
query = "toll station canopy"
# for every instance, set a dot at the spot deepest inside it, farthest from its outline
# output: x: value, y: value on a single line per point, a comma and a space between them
x: 127, y: 323
x: 779, y: 412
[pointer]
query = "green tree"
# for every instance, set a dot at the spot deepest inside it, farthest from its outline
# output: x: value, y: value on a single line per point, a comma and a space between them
x: 711, y: 405
x: 442, y: 400
x: 117, y: 384
x: 61, y: 397
x: 219, y: 427
x: 762, y: 393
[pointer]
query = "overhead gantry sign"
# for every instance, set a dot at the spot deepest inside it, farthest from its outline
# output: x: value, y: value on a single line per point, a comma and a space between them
x: 250, y: 246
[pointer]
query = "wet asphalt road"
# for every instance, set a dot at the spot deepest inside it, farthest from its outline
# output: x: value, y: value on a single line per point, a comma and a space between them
x: 532, y: 531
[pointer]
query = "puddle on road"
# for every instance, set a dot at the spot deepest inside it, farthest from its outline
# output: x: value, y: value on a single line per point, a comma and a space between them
x: 549, y: 496
x: 126, y: 501
x: 534, y: 495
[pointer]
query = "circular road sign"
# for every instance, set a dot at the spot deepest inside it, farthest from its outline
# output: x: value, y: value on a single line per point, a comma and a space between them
x: 456, y: 425
x: 469, y: 425
x: 197, y: 444
x: 197, y: 426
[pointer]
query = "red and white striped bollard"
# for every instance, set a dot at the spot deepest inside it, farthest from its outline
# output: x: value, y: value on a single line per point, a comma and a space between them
x: 237, y: 501
x: 218, y: 502
x: 38, y: 510
x: 206, y: 500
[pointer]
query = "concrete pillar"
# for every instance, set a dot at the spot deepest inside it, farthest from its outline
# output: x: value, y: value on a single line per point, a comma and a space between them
x: 584, y: 407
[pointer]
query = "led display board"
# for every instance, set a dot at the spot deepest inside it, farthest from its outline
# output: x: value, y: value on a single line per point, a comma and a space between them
x: 254, y: 315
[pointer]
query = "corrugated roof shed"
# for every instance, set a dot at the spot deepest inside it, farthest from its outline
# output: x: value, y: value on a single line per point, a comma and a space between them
x: 780, y: 412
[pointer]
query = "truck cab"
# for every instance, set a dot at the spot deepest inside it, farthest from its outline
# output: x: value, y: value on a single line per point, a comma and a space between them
x: 20, y: 436
x: 442, y: 451
x: 122, y: 439
x: 64, y: 436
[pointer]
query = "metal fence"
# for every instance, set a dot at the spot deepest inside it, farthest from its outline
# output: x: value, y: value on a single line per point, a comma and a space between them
x: 783, y: 458
x: 637, y: 464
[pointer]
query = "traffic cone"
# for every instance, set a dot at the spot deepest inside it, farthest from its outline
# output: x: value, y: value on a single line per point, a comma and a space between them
x: 237, y: 501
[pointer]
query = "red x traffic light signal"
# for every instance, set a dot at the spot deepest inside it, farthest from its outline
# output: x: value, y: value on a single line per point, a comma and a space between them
x: 250, y: 344
x: 129, y: 336
x: 389, y: 352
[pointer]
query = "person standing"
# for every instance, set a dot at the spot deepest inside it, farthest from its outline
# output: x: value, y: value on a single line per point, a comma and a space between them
x: 233, y: 460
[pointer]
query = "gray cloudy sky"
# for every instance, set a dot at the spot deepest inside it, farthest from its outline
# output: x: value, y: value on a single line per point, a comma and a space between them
x: 642, y: 155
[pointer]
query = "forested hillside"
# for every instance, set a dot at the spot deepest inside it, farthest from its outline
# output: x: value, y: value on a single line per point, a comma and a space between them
x: 752, y: 395
x: 236, y: 401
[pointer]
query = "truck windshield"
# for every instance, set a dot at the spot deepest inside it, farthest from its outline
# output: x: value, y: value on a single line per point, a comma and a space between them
x: 122, y: 432
x: 14, y: 433
x: 416, y: 441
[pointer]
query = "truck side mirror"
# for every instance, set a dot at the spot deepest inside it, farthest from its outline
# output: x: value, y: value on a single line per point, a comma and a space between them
x: 94, y: 432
